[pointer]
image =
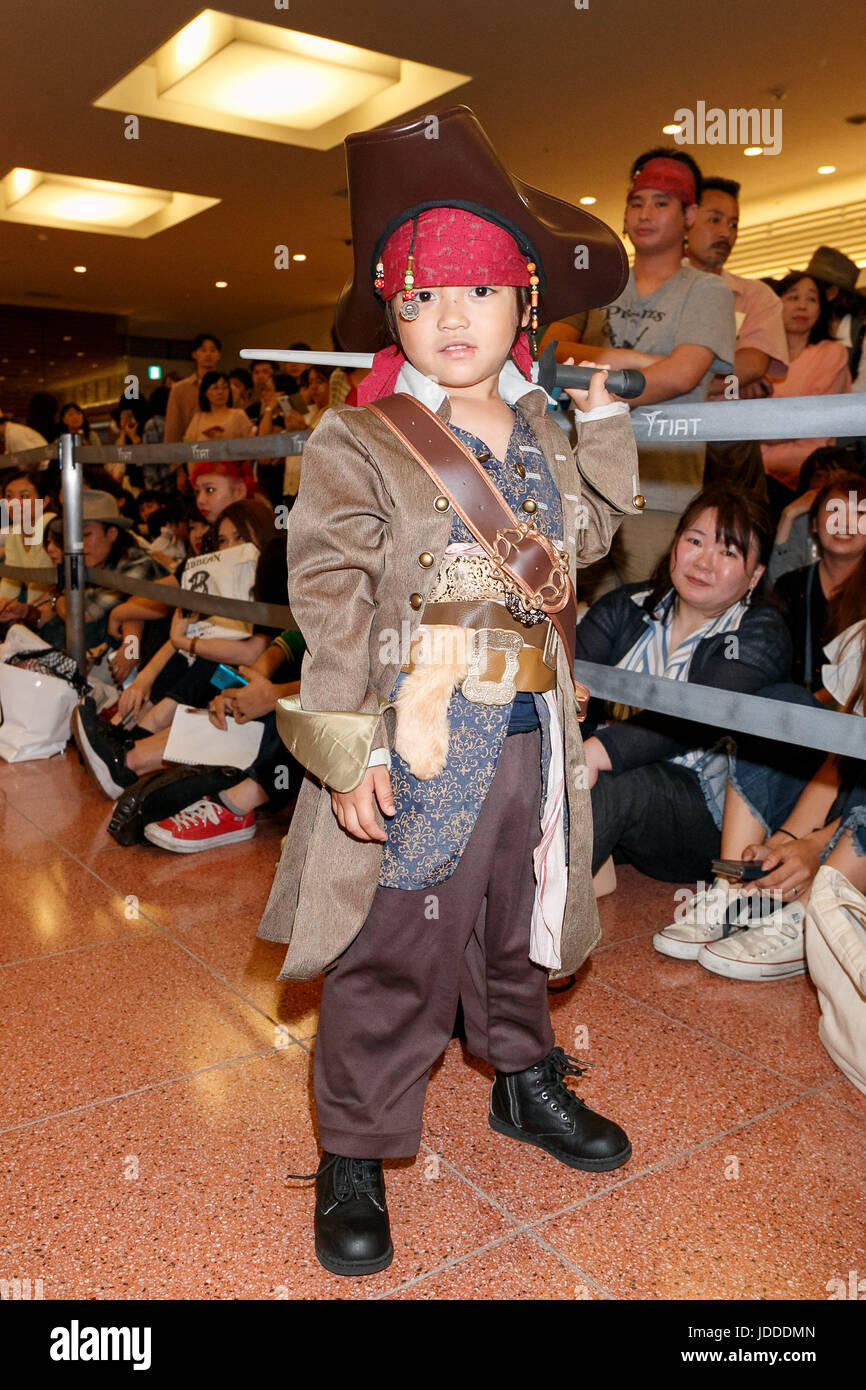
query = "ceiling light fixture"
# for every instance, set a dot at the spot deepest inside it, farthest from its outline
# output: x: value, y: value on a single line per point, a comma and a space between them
x: 221, y: 72
x: 826, y: 168
x: 299, y: 256
x: 93, y: 205
x: 753, y: 150
x: 221, y: 284
x: 587, y: 202
x: 671, y: 129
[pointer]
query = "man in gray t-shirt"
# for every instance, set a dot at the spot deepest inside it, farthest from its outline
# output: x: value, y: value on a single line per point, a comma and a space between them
x: 689, y: 307
x: 677, y: 326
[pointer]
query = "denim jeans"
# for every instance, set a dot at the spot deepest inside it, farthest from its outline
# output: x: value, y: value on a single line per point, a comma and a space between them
x: 770, y: 776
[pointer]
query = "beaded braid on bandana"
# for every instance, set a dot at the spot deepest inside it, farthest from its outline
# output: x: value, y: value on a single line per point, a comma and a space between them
x: 447, y: 246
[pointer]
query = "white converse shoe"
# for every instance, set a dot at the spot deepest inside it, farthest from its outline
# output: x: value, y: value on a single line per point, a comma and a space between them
x: 772, y: 950
x: 701, y: 918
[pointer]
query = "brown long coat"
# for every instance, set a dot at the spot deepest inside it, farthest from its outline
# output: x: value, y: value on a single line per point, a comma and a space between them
x: 363, y: 516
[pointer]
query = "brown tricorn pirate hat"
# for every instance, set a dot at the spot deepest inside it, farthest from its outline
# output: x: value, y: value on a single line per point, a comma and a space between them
x: 400, y: 170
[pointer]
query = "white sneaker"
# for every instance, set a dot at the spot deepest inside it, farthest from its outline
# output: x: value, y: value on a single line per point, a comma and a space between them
x: 772, y: 950
x: 701, y: 918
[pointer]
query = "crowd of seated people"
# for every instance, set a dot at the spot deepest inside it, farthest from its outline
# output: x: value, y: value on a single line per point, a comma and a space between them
x: 746, y: 574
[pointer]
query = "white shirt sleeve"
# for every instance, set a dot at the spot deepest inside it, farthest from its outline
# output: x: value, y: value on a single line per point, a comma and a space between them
x: 600, y: 412
x: 380, y: 757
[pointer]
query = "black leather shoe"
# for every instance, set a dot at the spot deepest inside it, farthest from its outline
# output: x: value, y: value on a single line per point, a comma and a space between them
x: 537, y: 1107
x: 353, y: 1233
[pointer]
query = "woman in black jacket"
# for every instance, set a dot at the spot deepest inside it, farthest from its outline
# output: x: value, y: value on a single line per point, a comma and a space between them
x: 657, y: 782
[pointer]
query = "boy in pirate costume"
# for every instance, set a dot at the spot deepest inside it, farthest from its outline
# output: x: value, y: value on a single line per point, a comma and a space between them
x: 440, y: 850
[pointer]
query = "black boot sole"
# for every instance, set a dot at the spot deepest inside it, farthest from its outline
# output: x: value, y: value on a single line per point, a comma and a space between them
x: 588, y: 1165
x: 349, y: 1267
x: 562, y: 985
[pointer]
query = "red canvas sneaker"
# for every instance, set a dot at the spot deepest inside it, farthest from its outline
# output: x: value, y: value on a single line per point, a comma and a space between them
x: 204, y: 825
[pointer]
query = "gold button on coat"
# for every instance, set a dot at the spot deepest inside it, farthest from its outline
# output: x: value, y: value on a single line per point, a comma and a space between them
x: 529, y: 505
x: 426, y: 559
x: 520, y: 470
x: 639, y: 501
x: 416, y: 601
x: 441, y: 504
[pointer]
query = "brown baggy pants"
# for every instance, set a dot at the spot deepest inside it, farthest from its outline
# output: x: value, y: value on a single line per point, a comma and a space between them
x: 388, y: 1005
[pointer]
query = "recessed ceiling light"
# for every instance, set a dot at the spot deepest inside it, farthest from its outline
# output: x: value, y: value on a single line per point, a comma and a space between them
x: 587, y: 202
x: 31, y: 349
x: 80, y: 269
x: 79, y: 354
x: 754, y: 149
x: 671, y: 129
x: 93, y: 205
x: 67, y: 337
x: 826, y: 168
x: 299, y: 256
x: 221, y: 284
x: 221, y: 72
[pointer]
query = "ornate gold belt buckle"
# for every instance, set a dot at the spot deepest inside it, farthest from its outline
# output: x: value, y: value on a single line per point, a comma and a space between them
x: 503, y: 691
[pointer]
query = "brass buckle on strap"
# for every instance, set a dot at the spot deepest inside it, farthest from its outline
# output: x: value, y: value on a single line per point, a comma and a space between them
x: 553, y: 592
x: 551, y: 646
x: 502, y: 691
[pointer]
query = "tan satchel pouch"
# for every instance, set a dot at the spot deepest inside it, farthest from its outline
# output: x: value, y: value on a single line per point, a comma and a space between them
x: 334, y: 745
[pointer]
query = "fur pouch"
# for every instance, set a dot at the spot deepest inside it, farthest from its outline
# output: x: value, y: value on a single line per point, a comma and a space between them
x: 421, y: 734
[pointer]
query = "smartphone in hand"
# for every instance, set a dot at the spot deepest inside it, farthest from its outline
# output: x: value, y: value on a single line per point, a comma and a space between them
x: 743, y: 870
x: 224, y: 678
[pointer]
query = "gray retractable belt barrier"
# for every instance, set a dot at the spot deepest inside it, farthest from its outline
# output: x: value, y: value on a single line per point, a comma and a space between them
x: 791, y: 417
x: 728, y: 709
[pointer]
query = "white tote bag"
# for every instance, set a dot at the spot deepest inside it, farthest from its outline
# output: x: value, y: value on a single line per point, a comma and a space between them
x: 36, y: 710
x: 836, y: 954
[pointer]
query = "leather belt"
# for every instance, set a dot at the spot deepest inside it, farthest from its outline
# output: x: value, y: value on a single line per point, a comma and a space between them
x: 499, y: 665
x: 486, y: 613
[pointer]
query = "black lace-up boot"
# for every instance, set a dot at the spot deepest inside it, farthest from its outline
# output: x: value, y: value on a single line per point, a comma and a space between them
x: 537, y: 1107
x: 353, y: 1233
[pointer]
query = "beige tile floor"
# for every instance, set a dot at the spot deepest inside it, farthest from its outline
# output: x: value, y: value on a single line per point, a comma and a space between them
x: 157, y: 1091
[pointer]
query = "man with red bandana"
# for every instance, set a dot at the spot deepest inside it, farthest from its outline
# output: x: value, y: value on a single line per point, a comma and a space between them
x: 456, y: 867
x: 676, y: 324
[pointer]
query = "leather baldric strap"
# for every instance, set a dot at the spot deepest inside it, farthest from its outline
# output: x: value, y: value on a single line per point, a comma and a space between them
x: 537, y: 570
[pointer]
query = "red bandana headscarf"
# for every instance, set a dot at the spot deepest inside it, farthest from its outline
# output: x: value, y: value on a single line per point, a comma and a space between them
x: 452, y: 247
x: 668, y: 176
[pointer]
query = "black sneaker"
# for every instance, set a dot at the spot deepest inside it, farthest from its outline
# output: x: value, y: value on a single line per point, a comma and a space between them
x: 103, y: 748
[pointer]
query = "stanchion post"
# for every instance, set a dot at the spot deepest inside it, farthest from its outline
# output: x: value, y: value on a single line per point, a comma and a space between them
x: 73, y: 549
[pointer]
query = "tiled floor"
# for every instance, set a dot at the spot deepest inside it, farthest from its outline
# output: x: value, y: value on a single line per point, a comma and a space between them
x: 157, y: 1092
